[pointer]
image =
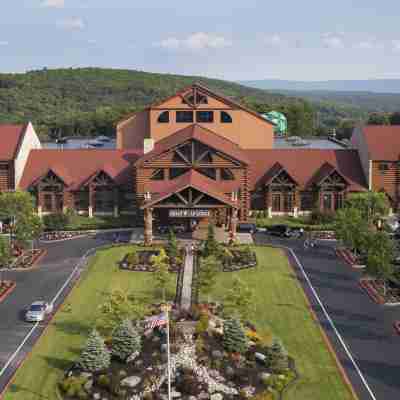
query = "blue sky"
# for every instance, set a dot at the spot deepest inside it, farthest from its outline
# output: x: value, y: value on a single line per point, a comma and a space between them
x: 314, y: 40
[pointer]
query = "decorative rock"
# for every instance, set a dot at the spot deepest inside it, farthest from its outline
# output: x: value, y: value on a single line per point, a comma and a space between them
x: 217, y: 354
x: 132, y: 357
x: 230, y: 371
x: 164, y: 347
x: 88, y: 385
x: 204, y: 396
x: 175, y: 394
x: 251, y: 344
x: 131, y: 381
x: 86, y: 375
x: 156, y: 339
x: 216, y: 396
x: 192, y: 398
x: 264, y: 376
x: 138, y: 363
x: 97, y: 396
x: 260, y: 357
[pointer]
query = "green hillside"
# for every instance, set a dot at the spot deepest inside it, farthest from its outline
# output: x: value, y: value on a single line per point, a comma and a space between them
x: 89, y: 101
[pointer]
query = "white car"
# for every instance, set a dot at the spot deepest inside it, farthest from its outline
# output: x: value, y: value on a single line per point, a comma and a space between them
x: 37, y: 311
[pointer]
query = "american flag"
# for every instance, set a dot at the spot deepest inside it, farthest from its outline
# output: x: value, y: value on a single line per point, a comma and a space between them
x: 156, y: 320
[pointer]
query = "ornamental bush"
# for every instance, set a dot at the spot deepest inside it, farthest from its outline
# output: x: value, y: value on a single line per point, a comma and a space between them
x: 125, y: 341
x: 95, y: 356
x: 132, y: 258
x: 234, y: 338
x: 277, y: 357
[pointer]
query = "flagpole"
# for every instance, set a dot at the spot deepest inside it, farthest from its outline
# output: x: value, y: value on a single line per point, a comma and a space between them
x: 166, y: 308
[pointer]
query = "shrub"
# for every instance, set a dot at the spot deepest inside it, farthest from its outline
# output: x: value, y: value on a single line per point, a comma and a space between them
x: 55, y: 222
x: 132, y: 258
x: 234, y: 338
x: 104, y: 381
x: 277, y: 357
x: 95, y: 356
x: 125, y: 341
x: 72, y: 385
x: 202, y: 324
x: 321, y: 218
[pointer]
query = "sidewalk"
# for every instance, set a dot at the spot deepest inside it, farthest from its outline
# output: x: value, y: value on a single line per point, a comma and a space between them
x: 186, y: 298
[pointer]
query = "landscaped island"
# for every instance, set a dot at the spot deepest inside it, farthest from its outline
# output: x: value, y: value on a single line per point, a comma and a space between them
x: 228, y: 354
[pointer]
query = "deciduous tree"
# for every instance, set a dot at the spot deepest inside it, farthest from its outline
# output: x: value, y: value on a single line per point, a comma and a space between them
x: 160, y: 262
x: 239, y: 300
x: 207, y: 276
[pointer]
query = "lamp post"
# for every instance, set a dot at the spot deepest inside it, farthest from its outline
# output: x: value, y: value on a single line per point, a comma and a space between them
x: 166, y: 308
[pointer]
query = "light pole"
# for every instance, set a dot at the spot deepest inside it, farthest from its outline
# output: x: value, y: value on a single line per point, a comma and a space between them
x: 166, y: 308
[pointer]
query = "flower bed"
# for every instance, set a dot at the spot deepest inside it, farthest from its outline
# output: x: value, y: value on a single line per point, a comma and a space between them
x: 28, y: 259
x: 201, y: 367
x: 346, y: 255
x: 324, y: 235
x: 375, y: 289
x: 142, y: 262
x: 6, y: 287
x: 240, y: 259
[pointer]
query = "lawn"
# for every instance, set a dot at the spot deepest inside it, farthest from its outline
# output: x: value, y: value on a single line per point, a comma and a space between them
x: 60, y: 345
x: 281, y: 308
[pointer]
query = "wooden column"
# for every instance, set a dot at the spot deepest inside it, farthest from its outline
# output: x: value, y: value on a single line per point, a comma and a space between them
x: 296, y: 202
x: 91, y: 201
x: 116, y: 202
x: 234, y: 221
x: 148, y: 226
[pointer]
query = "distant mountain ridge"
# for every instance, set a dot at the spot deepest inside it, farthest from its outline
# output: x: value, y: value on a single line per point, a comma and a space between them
x: 391, y: 86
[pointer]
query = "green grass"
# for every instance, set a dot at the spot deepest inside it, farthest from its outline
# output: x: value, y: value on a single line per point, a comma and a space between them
x: 60, y: 345
x: 281, y: 308
x: 80, y: 222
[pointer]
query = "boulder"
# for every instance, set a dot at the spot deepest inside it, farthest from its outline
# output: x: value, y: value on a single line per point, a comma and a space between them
x: 264, y: 376
x: 138, y: 363
x: 204, y: 396
x: 164, y: 347
x: 97, y: 396
x: 132, y: 357
x: 131, y: 381
x: 230, y: 371
x: 217, y: 354
x: 260, y: 357
x: 88, y: 385
x: 86, y: 375
x: 217, y: 396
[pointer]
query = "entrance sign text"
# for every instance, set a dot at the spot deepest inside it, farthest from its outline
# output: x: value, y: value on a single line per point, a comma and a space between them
x: 188, y: 213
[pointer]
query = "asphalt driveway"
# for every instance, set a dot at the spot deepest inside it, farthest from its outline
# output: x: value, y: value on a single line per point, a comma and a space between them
x: 366, y: 327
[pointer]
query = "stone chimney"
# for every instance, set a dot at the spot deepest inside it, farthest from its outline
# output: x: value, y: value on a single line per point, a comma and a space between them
x: 148, y: 145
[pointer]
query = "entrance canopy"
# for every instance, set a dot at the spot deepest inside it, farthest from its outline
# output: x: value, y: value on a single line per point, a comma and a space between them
x: 190, y: 190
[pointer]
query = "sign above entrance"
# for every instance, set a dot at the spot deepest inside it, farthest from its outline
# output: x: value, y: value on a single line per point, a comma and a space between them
x: 188, y: 213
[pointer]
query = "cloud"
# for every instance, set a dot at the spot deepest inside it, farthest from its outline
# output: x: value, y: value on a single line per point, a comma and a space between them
x: 4, y: 43
x: 274, y: 40
x: 365, y: 45
x: 53, y: 3
x: 396, y: 45
x: 194, y: 42
x: 71, y: 24
x: 333, y: 40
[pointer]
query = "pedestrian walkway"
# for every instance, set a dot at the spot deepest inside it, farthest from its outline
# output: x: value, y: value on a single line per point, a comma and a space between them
x: 186, y: 298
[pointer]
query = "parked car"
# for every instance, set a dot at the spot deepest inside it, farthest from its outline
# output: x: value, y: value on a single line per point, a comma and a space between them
x: 279, y: 230
x: 37, y: 311
x: 392, y: 223
x: 246, y: 228
x: 164, y: 229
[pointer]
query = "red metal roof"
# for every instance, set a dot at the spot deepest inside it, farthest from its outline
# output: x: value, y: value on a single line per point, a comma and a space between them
x: 163, y: 189
x: 10, y: 139
x: 303, y: 164
x: 383, y: 142
x: 75, y: 167
x: 200, y: 134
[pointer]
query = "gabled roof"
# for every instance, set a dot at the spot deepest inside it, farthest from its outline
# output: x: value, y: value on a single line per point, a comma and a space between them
x: 192, y: 179
x: 108, y: 169
x: 276, y: 169
x: 75, y: 167
x: 383, y: 142
x: 301, y: 165
x: 201, y: 134
x: 11, y: 137
x: 324, y: 172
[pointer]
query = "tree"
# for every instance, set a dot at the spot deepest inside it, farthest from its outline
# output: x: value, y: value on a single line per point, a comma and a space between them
x: 380, y: 257
x: 172, y: 246
x: 5, y: 256
x: 372, y: 205
x: 378, y: 119
x: 395, y: 118
x: 240, y: 299
x: 277, y: 357
x: 234, y: 338
x: 352, y: 229
x: 207, y: 277
x: 120, y: 306
x: 211, y: 245
x: 95, y: 357
x: 125, y: 340
x: 160, y: 262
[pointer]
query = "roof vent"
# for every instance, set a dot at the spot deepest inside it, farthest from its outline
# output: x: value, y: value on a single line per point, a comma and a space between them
x: 148, y: 145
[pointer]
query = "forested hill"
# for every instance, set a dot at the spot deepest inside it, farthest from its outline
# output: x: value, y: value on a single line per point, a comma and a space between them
x: 89, y: 101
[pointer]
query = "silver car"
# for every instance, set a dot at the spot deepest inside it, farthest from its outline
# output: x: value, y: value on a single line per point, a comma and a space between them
x: 37, y: 311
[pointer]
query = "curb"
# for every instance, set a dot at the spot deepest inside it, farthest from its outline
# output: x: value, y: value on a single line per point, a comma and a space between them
x: 34, y: 265
x: 7, y: 291
x: 65, y: 239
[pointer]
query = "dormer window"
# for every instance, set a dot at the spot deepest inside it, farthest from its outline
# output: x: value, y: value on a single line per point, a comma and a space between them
x: 205, y: 116
x: 163, y: 118
x: 184, y: 116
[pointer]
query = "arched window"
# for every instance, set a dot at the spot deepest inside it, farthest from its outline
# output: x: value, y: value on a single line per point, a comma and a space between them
x: 164, y: 117
x: 225, y: 117
x: 227, y: 175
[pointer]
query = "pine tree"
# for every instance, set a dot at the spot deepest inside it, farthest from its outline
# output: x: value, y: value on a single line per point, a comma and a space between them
x: 234, y: 339
x: 211, y: 245
x: 95, y: 356
x: 277, y: 357
x: 208, y: 275
x: 125, y: 341
x: 172, y: 246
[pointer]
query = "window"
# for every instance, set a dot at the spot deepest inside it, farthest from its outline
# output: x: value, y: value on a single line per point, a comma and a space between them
x: 383, y: 167
x: 338, y: 200
x: 276, y: 202
x: 327, y: 201
x: 158, y: 175
x: 184, y: 116
x: 288, y: 202
x: 306, y: 201
x: 225, y: 118
x: 205, y: 116
x: 163, y: 117
x: 175, y: 172
x: 227, y: 175
x: 81, y: 200
x: 47, y: 202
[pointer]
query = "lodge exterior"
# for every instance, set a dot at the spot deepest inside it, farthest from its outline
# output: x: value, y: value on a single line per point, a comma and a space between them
x: 198, y: 157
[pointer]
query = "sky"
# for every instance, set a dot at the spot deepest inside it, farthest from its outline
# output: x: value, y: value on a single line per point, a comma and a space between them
x: 233, y: 40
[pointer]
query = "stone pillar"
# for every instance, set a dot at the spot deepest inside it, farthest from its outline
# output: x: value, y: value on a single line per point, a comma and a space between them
x: 148, y: 226
x: 234, y: 221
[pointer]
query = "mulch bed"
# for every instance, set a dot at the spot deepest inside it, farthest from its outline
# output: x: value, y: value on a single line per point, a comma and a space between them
x: 346, y: 255
x: 144, y: 264
x: 57, y: 236
x: 28, y: 259
x: 324, y: 235
x: 369, y: 287
x: 6, y: 287
x: 238, y: 263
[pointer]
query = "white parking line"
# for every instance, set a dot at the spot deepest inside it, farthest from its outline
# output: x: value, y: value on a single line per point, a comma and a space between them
x: 331, y: 323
